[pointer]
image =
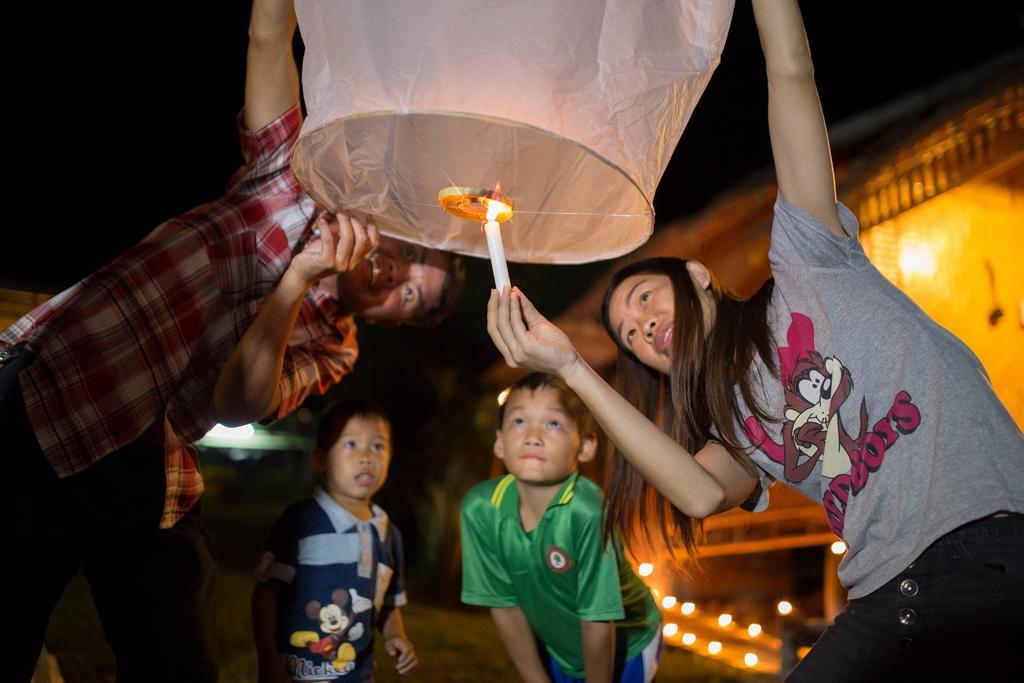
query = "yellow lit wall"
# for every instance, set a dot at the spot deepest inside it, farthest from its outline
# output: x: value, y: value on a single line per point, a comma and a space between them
x: 16, y: 303
x: 960, y: 257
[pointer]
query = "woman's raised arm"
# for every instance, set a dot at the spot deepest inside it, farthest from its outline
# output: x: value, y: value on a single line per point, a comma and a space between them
x: 803, y: 161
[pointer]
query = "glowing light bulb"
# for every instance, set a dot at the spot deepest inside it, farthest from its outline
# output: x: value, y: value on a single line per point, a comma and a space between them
x: 243, y: 433
x: 754, y: 630
x: 645, y: 569
x: 689, y: 638
x: 918, y: 259
x: 714, y: 647
x: 670, y: 630
x: 688, y: 608
x: 838, y: 548
x: 724, y: 619
x: 784, y: 607
x: 503, y: 396
x: 668, y: 602
x: 750, y: 659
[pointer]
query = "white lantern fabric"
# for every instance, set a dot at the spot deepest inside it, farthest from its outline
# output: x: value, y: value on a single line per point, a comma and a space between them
x: 573, y: 106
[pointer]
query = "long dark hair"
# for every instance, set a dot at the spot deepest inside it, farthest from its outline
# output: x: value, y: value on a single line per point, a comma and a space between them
x: 697, y: 403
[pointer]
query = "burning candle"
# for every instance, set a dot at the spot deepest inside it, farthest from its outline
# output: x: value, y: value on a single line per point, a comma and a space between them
x: 495, y: 248
x: 490, y: 206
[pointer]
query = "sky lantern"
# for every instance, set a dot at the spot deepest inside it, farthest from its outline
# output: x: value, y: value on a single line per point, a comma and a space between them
x: 567, y: 111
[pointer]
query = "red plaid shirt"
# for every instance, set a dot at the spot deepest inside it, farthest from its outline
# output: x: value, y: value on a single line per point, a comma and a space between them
x: 145, y: 337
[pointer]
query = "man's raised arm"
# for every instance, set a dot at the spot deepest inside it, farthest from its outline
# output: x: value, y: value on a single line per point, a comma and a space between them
x: 248, y: 387
x: 271, y: 76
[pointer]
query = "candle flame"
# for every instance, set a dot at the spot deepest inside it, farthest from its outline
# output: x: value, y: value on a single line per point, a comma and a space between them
x: 492, y: 211
x: 496, y: 208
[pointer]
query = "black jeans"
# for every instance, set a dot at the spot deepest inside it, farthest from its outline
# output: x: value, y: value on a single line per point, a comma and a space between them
x: 955, y: 614
x: 153, y: 588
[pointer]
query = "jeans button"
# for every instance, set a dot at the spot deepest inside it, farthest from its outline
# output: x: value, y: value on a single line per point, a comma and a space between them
x: 907, y: 616
x: 908, y: 587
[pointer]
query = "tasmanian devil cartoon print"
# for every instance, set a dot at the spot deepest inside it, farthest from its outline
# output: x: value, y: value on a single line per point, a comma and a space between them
x: 815, y: 388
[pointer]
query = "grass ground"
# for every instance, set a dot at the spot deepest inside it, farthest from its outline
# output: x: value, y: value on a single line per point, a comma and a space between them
x: 454, y: 645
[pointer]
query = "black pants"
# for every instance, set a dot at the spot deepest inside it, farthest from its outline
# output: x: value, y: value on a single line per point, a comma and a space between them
x: 153, y: 588
x: 955, y: 614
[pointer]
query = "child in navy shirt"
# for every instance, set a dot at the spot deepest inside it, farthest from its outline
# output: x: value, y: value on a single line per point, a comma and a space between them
x: 332, y: 566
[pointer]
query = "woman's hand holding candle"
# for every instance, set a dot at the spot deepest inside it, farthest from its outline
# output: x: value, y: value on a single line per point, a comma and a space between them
x: 525, y: 338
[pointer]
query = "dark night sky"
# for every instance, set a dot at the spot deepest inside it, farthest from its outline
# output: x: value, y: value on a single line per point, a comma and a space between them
x: 127, y: 118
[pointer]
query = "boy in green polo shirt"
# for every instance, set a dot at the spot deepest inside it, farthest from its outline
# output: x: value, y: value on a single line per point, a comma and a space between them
x: 567, y: 608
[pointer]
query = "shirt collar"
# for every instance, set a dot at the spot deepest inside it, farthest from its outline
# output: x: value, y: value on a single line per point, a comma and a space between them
x: 327, y: 307
x: 506, y: 495
x: 343, y: 520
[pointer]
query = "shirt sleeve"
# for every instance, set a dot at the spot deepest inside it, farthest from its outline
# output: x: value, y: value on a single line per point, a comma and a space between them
x: 758, y: 500
x: 267, y: 153
x: 800, y: 239
x: 315, y: 366
x: 598, y: 588
x: 485, y: 581
x: 280, y: 550
x: 395, y: 593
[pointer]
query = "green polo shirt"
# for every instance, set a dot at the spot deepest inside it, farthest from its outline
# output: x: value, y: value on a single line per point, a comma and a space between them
x: 558, y: 573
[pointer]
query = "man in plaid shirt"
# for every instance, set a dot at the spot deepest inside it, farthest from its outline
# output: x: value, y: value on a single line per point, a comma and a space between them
x: 234, y: 312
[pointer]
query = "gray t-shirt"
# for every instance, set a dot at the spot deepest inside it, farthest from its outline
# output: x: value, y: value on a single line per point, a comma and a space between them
x: 887, y: 418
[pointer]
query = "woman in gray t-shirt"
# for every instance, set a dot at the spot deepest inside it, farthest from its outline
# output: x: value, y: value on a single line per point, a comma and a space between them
x: 829, y: 380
